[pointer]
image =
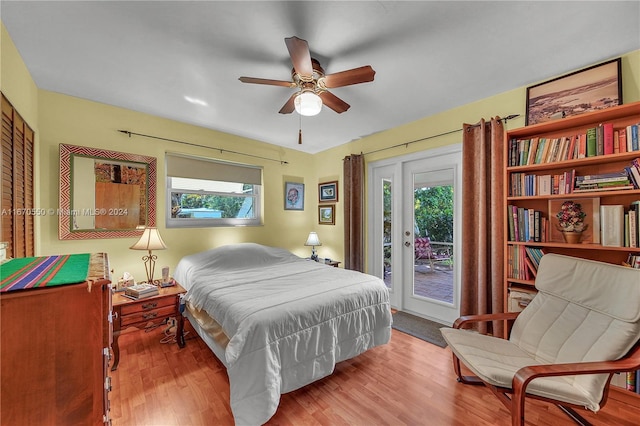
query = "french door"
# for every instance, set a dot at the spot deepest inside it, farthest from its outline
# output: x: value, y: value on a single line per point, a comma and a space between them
x: 414, y: 206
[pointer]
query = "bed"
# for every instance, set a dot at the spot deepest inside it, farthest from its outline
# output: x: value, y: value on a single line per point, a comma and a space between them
x: 277, y: 321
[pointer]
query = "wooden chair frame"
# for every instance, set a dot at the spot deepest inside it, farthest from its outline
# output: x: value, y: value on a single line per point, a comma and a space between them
x: 513, y: 398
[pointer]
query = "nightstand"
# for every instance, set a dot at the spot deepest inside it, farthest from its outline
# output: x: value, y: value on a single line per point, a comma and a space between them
x: 147, y: 312
x: 333, y: 263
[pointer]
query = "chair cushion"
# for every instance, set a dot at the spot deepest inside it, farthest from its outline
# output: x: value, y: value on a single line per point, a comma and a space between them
x: 610, y: 289
x: 496, y: 361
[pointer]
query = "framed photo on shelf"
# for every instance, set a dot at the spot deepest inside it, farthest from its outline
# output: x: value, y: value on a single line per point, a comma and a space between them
x: 591, y: 206
x: 328, y: 191
x: 590, y: 89
x: 327, y: 214
x: 293, y: 196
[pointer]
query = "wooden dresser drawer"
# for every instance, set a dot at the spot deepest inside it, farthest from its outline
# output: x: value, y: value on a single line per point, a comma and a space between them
x: 146, y: 316
x: 147, y: 305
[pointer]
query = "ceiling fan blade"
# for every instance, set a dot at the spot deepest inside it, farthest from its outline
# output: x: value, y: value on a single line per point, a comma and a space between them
x: 267, y: 81
x: 289, y: 106
x: 300, y: 56
x: 346, y: 78
x: 334, y: 102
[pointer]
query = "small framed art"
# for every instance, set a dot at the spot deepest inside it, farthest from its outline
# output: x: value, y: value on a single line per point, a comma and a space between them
x: 293, y: 196
x: 328, y: 191
x: 591, y: 89
x: 327, y: 214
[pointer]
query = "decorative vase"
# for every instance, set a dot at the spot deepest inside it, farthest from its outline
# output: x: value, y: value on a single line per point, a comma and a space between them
x: 571, y: 237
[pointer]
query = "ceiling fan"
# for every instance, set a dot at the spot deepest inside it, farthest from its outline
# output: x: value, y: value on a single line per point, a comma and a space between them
x: 309, y: 78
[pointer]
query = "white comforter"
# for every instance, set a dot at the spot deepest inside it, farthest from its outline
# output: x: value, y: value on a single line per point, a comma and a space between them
x: 289, y: 320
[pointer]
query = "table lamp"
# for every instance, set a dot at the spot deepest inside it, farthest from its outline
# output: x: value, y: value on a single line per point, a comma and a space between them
x: 150, y: 240
x: 313, y: 241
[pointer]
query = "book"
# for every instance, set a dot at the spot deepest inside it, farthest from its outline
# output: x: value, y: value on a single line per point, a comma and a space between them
x: 622, y: 136
x: 140, y: 291
x: 633, y: 219
x: 592, y: 147
x: 612, y: 225
x: 544, y: 185
x: 545, y: 152
x: 582, y: 145
x: 599, y: 140
x: 607, y: 138
x: 572, y: 148
x: 541, y: 145
x: 533, y: 147
x: 605, y: 188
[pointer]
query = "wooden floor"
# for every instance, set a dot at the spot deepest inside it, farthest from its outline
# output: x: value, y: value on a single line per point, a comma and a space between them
x: 407, y: 382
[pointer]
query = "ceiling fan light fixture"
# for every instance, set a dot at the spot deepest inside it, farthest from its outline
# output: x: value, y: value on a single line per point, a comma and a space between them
x: 308, y: 104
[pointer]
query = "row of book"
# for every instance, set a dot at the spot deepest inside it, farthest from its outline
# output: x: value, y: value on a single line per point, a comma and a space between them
x: 526, y: 224
x: 620, y: 226
x: 611, y: 225
x: 523, y: 184
x: 633, y: 381
x: 633, y: 261
x: 523, y: 261
x: 528, y: 185
x: 600, y: 140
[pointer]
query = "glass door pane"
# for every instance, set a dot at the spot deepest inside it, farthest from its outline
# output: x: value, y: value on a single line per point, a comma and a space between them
x: 433, y: 275
x: 387, y: 259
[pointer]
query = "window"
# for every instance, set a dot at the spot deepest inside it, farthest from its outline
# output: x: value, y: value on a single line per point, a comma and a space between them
x: 202, y: 192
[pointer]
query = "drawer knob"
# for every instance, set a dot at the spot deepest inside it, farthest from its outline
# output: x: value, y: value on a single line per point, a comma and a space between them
x: 149, y: 305
x: 150, y: 315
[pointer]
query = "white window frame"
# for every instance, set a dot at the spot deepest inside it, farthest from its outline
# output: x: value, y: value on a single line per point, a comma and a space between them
x: 235, y: 169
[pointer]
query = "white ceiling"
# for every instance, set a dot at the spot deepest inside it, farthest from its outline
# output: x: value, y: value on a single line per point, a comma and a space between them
x: 428, y: 56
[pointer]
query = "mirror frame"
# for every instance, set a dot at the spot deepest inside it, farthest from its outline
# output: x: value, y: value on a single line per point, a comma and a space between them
x: 67, y: 152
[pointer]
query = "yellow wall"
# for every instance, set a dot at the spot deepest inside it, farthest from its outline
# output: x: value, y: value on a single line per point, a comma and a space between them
x: 62, y: 119
x: 69, y: 120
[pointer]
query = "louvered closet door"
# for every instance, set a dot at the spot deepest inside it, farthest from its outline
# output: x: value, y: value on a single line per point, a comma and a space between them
x: 17, y: 183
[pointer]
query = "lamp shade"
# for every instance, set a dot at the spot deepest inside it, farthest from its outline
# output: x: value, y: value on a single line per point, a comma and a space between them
x: 307, y: 103
x: 150, y: 240
x: 313, y: 240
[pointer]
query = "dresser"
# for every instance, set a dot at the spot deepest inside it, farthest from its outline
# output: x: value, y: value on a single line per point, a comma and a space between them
x: 55, y: 350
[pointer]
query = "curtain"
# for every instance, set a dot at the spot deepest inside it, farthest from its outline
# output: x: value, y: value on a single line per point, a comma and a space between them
x: 483, y: 222
x: 353, y: 212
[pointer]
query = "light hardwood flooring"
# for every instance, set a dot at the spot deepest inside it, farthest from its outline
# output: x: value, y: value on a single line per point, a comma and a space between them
x: 407, y: 382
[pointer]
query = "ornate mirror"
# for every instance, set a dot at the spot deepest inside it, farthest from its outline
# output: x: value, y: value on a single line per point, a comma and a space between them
x: 105, y: 194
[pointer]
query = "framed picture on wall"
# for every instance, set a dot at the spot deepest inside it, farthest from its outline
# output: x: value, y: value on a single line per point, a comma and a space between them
x: 328, y: 191
x: 594, y: 88
x: 293, y: 196
x: 326, y: 214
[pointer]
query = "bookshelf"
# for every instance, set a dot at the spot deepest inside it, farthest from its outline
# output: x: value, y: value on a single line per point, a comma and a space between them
x: 528, y: 189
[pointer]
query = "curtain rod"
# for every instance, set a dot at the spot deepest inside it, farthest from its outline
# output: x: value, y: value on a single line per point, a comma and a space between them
x: 406, y: 144
x: 128, y: 133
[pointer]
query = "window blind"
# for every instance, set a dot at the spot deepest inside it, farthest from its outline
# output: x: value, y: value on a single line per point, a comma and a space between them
x: 17, y: 221
x: 200, y: 168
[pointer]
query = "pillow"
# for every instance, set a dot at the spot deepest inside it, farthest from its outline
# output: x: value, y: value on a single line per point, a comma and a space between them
x: 240, y: 256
